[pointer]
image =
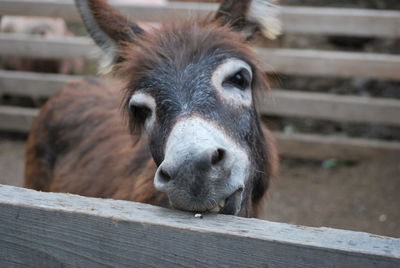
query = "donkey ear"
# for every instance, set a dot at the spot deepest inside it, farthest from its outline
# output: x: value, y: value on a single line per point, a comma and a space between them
x: 251, y: 16
x: 108, y: 28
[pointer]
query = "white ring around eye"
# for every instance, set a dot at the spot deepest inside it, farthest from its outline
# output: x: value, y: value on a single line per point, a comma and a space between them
x: 233, y: 96
x: 143, y: 99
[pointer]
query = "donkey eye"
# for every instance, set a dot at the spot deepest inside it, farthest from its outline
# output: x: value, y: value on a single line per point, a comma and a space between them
x: 140, y: 112
x: 240, y: 80
x: 142, y: 109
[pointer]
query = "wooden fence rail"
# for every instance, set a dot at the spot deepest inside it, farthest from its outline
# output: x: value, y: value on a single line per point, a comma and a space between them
x: 17, y: 118
x: 34, y: 85
x: 57, y: 230
x: 310, y: 20
x: 330, y: 63
x: 313, y: 146
x: 294, y: 145
x: 286, y: 61
x: 332, y: 107
x: 33, y: 46
x: 279, y: 102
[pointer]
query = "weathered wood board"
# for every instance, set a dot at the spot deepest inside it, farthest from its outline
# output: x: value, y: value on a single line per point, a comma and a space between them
x: 310, y: 20
x: 279, y: 102
x: 383, y: 111
x: 286, y: 61
x: 34, y: 85
x: 313, y: 146
x: 61, y: 230
x: 16, y: 118
x: 330, y: 63
x: 294, y: 145
x: 341, y: 21
x: 39, y: 47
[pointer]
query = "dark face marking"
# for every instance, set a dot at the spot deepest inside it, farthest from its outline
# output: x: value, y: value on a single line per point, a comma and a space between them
x: 190, y: 91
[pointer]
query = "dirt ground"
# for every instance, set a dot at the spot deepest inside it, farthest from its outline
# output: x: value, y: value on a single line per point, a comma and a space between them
x: 361, y: 197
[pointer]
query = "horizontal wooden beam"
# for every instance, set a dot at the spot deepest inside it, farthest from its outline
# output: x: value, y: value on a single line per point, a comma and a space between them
x: 313, y: 146
x: 52, y: 230
x: 34, y: 85
x: 38, y: 47
x: 330, y: 63
x: 16, y: 118
x: 295, y: 145
x: 332, y: 107
x: 341, y: 21
x: 310, y: 20
x: 279, y: 102
x: 286, y: 61
x: 143, y: 12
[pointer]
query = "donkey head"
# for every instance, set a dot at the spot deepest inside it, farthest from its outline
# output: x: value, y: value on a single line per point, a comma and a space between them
x: 191, y: 87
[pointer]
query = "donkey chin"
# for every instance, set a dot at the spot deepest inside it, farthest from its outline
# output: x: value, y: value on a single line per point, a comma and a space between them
x: 203, y: 168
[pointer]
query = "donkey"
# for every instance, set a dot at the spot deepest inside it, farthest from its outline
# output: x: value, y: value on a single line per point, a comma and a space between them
x: 189, y: 135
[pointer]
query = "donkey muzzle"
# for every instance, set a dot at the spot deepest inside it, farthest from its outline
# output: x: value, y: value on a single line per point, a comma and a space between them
x: 203, y: 168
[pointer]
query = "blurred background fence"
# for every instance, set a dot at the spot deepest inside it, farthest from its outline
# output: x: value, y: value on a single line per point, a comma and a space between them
x: 282, y: 61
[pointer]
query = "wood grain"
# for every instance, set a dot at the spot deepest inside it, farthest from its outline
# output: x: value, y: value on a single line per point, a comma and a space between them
x: 59, y: 230
x: 325, y: 106
x: 38, y: 47
x: 16, y: 118
x: 310, y: 20
x: 279, y: 102
x: 313, y: 146
x: 286, y: 61
x: 341, y: 21
x: 330, y: 63
x: 34, y: 85
x: 296, y: 145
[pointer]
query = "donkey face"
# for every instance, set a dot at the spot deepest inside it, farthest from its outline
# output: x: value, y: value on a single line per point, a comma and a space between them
x: 191, y: 87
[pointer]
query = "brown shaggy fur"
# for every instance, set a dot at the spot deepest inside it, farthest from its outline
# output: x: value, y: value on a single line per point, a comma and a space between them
x: 80, y: 143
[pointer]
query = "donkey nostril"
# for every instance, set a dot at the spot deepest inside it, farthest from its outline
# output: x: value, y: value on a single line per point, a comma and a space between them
x: 164, y: 176
x: 217, y: 156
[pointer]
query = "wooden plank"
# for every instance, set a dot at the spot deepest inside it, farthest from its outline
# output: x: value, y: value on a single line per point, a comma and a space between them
x: 55, y: 230
x: 324, y: 147
x: 296, y: 145
x: 332, y: 107
x: 330, y: 63
x: 34, y: 85
x: 310, y: 20
x: 280, y: 102
x: 16, y: 119
x: 286, y: 61
x: 47, y: 47
x: 341, y: 21
x: 66, y: 9
x: 48, y: 8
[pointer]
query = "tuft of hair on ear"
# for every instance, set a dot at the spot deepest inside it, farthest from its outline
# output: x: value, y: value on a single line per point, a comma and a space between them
x: 266, y: 14
x: 106, y: 59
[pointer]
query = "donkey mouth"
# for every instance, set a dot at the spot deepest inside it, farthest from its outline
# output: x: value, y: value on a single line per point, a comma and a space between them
x: 229, y: 205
